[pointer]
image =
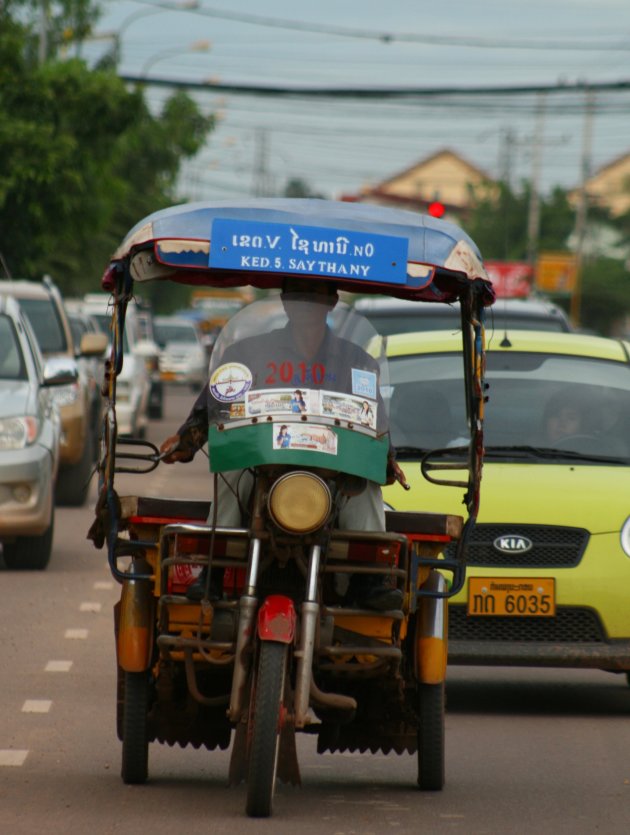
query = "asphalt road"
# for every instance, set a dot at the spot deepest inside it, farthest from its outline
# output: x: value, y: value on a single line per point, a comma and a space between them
x: 528, y: 751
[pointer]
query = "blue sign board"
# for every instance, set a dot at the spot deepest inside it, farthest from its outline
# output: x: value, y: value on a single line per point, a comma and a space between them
x: 307, y: 250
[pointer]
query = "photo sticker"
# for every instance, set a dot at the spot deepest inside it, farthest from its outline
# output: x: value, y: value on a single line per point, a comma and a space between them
x: 304, y: 437
x: 280, y: 401
x: 364, y: 383
x: 348, y: 407
x: 230, y: 382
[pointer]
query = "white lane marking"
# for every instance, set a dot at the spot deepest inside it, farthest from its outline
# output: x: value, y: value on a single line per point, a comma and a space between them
x: 104, y: 585
x: 76, y: 634
x: 12, y: 757
x: 36, y: 706
x: 90, y: 606
x: 58, y: 666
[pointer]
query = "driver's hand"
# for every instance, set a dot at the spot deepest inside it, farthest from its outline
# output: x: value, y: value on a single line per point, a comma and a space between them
x: 170, y: 446
x: 395, y: 474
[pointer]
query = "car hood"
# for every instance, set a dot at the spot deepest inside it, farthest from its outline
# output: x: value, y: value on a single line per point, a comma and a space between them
x: 592, y: 497
x: 15, y: 398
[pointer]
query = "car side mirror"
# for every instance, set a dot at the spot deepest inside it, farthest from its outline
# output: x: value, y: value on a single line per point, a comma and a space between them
x: 60, y: 371
x: 93, y: 345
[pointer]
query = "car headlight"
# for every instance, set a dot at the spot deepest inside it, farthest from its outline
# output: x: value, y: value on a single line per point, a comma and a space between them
x: 18, y: 432
x: 299, y: 502
x: 65, y: 395
x: 625, y: 537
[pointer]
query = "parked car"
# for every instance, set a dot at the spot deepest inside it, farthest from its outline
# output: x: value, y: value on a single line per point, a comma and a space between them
x: 43, y: 305
x: 549, y: 559
x: 91, y: 368
x: 133, y: 384
x: 183, y: 357
x: 30, y: 433
x: 389, y: 316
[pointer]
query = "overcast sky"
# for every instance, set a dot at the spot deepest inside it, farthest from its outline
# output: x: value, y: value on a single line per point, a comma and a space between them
x: 342, y: 146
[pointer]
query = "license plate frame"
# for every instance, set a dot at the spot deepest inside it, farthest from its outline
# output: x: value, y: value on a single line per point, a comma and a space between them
x: 511, y: 597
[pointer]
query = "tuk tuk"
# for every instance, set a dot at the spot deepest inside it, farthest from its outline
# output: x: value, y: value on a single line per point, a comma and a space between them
x: 284, y: 645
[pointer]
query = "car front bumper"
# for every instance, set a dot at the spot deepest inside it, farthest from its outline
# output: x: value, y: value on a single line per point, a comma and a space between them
x: 611, y: 655
x: 27, y: 473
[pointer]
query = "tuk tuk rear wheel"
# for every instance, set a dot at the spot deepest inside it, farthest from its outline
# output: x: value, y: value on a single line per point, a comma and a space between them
x: 265, y: 730
x: 135, y: 740
x: 431, y: 707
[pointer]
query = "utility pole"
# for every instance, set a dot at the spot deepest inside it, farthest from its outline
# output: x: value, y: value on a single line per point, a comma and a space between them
x: 581, y: 214
x: 533, y: 218
x: 261, y: 185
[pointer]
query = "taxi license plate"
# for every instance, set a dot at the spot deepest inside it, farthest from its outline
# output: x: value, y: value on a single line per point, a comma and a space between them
x: 513, y: 597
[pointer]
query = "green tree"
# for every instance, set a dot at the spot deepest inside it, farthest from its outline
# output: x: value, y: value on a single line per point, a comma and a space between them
x: 82, y: 158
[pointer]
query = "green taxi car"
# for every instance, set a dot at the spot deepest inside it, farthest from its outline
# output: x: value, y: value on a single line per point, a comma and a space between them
x: 548, y: 577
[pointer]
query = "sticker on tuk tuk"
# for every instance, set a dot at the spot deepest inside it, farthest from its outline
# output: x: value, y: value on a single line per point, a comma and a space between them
x: 298, y: 436
x: 237, y: 410
x: 364, y: 383
x: 230, y: 381
x: 346, y: 407
x: 308, y: 250
x: 281, y: 402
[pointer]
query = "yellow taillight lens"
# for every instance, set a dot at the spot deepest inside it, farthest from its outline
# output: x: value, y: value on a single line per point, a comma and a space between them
x: 299, y: 502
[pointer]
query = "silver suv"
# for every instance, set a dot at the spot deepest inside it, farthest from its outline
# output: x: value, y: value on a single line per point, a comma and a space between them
x: 43, y: 305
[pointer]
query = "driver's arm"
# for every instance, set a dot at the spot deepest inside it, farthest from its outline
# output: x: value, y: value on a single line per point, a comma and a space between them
x: 191, y: 435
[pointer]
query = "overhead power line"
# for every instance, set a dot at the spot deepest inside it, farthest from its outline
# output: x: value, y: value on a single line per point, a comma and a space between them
x: 372, y: 92
x: 400, y: 37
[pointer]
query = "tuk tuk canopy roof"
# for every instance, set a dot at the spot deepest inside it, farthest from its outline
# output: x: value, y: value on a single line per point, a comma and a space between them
x: 263, y: 242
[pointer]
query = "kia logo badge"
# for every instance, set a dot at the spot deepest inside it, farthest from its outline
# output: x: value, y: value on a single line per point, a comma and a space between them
x: 513, y: 543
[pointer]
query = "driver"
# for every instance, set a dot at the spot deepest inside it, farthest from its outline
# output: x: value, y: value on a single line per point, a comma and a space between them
x: 306, y: 340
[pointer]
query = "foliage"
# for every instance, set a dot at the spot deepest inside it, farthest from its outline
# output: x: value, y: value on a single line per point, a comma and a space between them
x: 298, y: 187
x: 499, y: 227
x: 81, y: 158
x: 605, y: 295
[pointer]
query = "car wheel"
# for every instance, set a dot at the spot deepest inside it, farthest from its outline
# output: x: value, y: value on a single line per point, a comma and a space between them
x: 73, y: 483
x: 30, y: 553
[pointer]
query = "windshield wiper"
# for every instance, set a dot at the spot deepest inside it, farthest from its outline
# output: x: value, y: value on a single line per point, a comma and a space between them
x: 529, y: 451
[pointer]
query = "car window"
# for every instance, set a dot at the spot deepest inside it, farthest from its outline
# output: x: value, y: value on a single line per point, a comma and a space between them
x: 12, y: 365
x: 174, y: 332
x: 548, y: 401
x: 77, y: 327
x: 45, y: 321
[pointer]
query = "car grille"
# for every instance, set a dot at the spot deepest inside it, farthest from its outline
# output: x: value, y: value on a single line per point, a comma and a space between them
x: 553, y: 546
x: 569, y: 625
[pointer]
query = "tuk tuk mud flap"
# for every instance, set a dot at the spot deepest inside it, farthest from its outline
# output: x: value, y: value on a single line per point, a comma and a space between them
x: 252, y: 446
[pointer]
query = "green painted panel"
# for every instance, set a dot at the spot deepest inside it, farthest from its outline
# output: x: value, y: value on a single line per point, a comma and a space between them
x: 251, y: 446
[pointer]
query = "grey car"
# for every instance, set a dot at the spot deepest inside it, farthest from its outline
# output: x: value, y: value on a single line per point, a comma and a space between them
x: 30, y: 430
x: 390, y: 316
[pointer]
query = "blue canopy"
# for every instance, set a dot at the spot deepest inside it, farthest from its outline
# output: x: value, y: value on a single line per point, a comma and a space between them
x: 361, y: 247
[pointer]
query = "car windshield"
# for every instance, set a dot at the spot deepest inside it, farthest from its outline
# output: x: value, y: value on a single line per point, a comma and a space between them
x: 538, y: 403
x: 11, y: 360
x: 290, y: 357
x: 174, y: 332
x: 45, y: 321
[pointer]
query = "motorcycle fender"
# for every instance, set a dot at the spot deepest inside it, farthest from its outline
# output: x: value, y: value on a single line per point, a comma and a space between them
x: 277, y: 619
x: 135, y: 627
x: 431, y: 634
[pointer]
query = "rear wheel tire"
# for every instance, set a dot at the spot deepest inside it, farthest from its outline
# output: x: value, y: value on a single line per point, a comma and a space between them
x: 431, y: 708
x: 30, y: 553
x: 265, y: 734
x: 135, y: 738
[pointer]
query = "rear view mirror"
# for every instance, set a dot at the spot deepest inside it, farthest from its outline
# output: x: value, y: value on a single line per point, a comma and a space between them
x: 93, y: 344
x: 60, y: 371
